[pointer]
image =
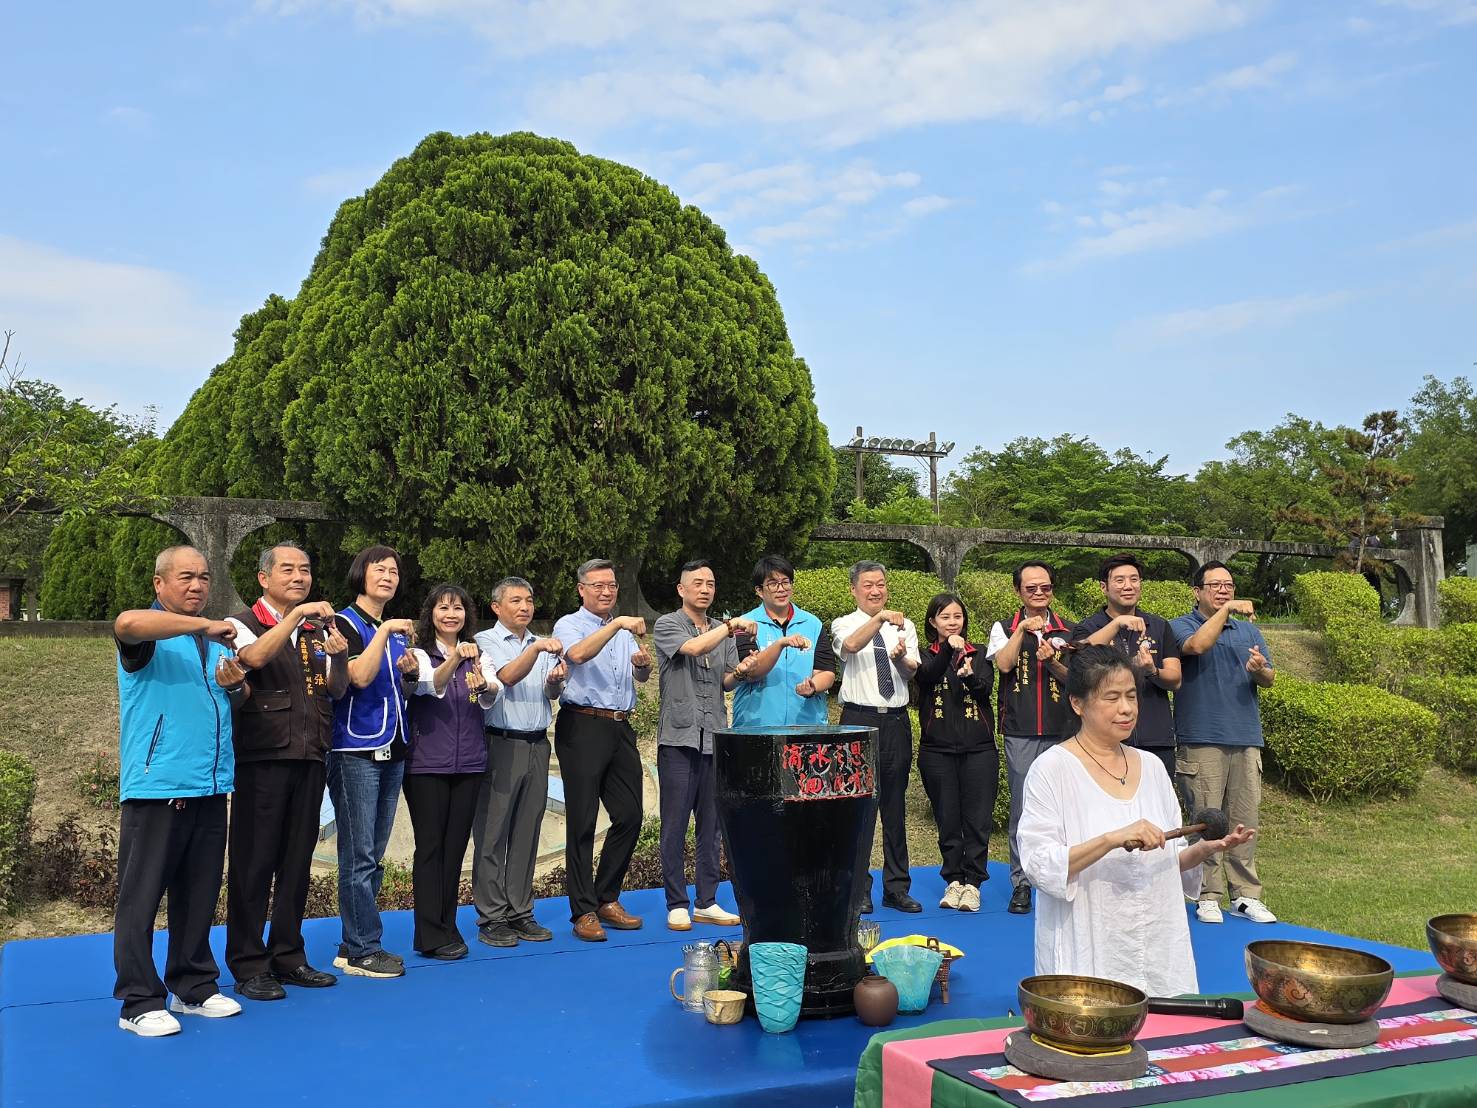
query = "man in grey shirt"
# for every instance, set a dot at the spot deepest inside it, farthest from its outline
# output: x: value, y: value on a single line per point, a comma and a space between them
x: 697, y: 661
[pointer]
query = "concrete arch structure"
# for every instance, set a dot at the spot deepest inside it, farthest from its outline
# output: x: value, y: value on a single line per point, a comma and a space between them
x: 1417, y: 557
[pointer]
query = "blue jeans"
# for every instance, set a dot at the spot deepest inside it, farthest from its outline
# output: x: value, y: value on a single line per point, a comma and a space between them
x: 365, y: 793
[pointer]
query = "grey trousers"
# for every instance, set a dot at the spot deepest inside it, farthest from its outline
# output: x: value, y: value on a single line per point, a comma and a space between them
x: 505, y: 828
x: 1020, y: 752
x: 1228, y: 778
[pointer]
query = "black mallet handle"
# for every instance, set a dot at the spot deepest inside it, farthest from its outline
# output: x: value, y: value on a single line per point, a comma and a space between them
x: 1210, y: 823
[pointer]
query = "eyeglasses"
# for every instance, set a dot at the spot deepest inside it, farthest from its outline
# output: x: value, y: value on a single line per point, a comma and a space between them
x: 778, y: 586
x: 1219, y: 586
x: 1036, y: 590
x: 599, y: 586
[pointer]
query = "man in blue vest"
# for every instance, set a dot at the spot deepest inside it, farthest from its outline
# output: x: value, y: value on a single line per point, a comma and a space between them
x: 177, y: 678
x: 788, y: 664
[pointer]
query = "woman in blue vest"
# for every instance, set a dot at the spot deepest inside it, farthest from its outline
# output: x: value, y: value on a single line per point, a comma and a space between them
x: 446, y: 762
x: 367, y: 762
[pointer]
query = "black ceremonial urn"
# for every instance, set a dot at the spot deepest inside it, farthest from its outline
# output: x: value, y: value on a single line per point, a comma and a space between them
x: 798, y: 807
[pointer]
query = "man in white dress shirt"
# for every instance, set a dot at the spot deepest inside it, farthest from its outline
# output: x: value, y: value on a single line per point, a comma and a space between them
x: 878, y: 648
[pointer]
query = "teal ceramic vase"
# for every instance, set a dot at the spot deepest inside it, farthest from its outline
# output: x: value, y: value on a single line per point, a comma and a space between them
x: 912, y: 969
x: 778, y: 970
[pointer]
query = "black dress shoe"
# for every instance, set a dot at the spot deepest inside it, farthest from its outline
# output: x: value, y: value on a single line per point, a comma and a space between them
x: 868, y: 907
x: 902, y: 902
x: 261, y: 987
x: 307, y: 977
x: 450, y: 952
x: 1020, y: 900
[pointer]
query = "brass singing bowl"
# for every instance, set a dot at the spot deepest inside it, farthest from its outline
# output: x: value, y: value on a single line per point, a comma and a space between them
x: 1316, y: 983
x: 1453, y: 940
x: 1089, y: 1014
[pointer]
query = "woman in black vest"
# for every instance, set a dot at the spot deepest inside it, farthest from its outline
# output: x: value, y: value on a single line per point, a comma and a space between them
x: 445, y: 763
x: 957, y: 758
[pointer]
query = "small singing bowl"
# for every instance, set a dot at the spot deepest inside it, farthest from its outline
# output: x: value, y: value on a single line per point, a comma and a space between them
x: 1453, y: 940
x: 724, y: 1006
x: 1316, y: 983
x: 1090, y: 1014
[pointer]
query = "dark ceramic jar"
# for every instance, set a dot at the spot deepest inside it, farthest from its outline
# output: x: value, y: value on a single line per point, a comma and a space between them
x: 876, y: 1001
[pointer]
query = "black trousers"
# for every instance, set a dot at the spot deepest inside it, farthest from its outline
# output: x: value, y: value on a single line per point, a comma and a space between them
x: 441, y: 809
x: 599, y: 765
x: 179, y: 848
x: 274, y: 827
x: 1166, y: 755
x: 894, y: 763
x: 961, y: 788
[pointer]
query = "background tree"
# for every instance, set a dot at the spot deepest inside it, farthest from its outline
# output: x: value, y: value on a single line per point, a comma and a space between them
x: 509, y: 357
x: 1067, y: 483
x: 1365, y: 484
x: 1442, y: 454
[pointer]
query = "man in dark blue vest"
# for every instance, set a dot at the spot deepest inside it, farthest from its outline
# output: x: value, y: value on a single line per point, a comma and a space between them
x: 177, y: 678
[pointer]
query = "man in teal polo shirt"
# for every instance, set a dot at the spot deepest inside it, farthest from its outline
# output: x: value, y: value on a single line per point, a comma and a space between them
x: 177, y: 679
x: 1219, y: 725
x: 788, y: 664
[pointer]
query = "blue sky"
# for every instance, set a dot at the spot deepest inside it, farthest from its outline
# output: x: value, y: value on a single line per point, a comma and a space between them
x: 1155, y: 222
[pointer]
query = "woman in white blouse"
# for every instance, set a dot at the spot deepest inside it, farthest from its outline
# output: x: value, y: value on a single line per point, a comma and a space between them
x: 1106, y: 911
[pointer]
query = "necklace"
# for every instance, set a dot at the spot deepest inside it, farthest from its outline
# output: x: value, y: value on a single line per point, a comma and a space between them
x: 1121, y: 780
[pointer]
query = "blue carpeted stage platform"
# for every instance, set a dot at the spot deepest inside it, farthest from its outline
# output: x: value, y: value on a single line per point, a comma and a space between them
x: 559, y: 1023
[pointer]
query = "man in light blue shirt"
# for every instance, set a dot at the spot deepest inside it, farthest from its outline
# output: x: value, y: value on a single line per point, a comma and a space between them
x: 515, y: 787
x: 596, y: 746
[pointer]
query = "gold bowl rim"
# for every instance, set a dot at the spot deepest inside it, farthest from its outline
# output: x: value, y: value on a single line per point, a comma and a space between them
x: 1256, y: 947
x: 1434, y: 924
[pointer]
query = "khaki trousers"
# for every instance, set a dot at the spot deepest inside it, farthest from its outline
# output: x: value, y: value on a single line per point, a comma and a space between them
x: 1228, y: 778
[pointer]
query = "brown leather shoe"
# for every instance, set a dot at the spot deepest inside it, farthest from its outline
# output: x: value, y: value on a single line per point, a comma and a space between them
x: 618, y: 917
x: 587, y: 927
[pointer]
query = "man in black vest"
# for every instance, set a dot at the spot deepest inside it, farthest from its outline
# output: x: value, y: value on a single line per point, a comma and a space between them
x: 293, y: 650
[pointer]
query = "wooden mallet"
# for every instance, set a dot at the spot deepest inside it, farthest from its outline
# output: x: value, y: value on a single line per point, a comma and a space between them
x: 1210, y: 823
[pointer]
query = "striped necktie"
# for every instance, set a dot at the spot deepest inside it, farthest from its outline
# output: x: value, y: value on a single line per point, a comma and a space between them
x: 884, y: 666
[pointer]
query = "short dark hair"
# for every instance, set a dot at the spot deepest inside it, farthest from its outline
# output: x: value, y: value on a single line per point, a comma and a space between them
x: 268, y: 557
x: 593, y: 566
x: 425, y: 625
x: 1091, y: 666
x: 772, y: 563
x: 937, y: 605
x: 1118, y: 561
x: 693, y: 566
x: 1198, y: 577
x: 1016, y: 576
x: 366, y: 558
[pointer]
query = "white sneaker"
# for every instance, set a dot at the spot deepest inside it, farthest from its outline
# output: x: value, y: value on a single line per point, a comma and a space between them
x: 969, y: 898
x: 151, y: 1025
x: 951, y: 895
x: 678, y: 920
x: 714, y: 914
x: 1209, y: 911
x: 216, y: 1006
x: 1252, y: 909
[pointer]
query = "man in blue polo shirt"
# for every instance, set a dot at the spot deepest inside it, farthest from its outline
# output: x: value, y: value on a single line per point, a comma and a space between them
x: 1219, y: 725
x: 596, y: 748
x: 787, y: 665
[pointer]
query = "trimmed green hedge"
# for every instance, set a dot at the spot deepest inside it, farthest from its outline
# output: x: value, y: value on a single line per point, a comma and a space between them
x: 1166, y: 599
x: 1346, y: 741
x: 1454, y: 700
x: 1374, y: 653
x: 17, y: 791
x: 827, y: 593
x: 1458, y: 600
x: 1322, y: 596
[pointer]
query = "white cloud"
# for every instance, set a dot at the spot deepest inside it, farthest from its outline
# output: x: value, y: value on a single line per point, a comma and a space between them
x: 926, y: 205
x: 1436, y: 236
x: 72, y: 316
x: 1159, y: 225
x: 843, y: 71
x: 1228, y: 319
x: 1261, y: 75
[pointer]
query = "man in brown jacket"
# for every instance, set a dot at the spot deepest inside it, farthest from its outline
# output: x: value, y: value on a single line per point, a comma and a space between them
x: 292, y: 651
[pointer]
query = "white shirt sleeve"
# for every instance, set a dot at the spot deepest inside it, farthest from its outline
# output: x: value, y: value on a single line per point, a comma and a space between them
x: 425, y: 681
x: 244, y: 635
x: 1042, y: 837
x: 998, y: 639
x: 489, y: 674
x: 910, y: 636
